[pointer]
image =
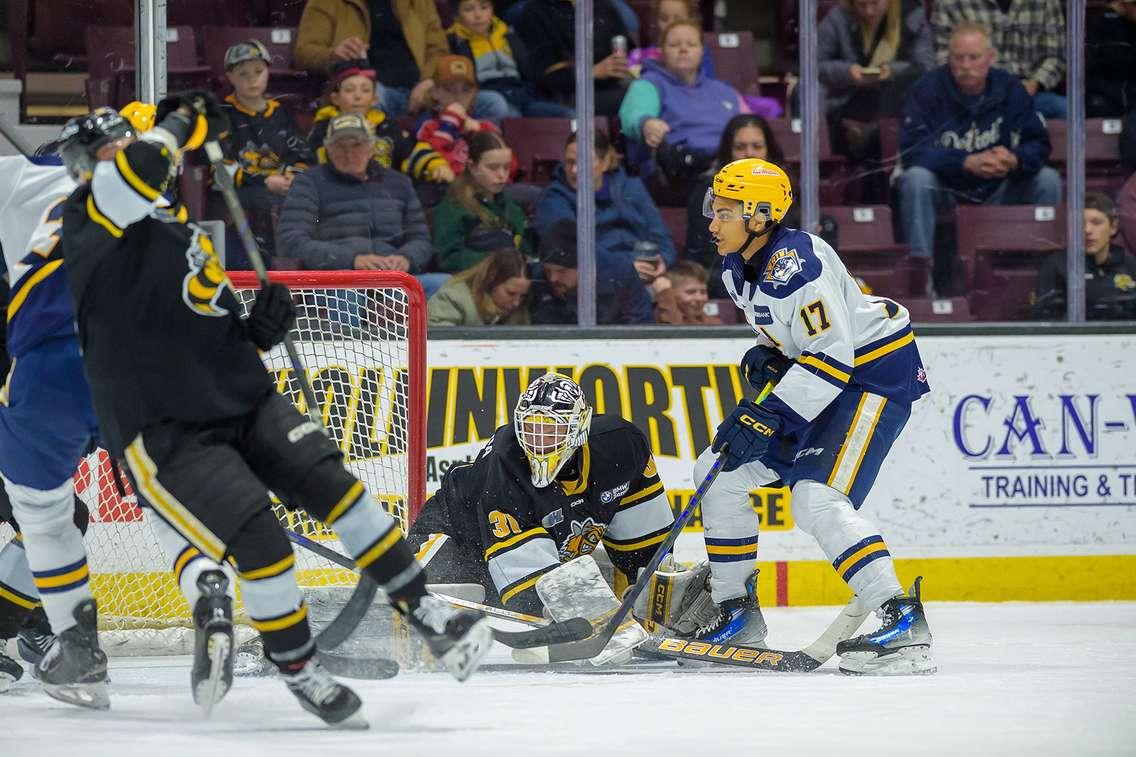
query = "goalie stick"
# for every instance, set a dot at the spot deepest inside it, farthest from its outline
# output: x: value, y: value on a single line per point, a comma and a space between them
x: 563, y: 632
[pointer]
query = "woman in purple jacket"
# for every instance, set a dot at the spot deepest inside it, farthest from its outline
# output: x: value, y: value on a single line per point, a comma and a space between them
x: 673, y: 115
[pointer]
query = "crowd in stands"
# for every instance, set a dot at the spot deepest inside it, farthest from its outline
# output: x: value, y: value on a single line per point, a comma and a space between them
x: 405, y: 164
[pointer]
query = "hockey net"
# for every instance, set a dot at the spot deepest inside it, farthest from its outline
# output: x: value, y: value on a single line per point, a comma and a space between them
x: 362, y: 339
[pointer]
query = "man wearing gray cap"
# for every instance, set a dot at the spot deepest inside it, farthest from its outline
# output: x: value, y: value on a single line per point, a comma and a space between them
x: 352, y: 213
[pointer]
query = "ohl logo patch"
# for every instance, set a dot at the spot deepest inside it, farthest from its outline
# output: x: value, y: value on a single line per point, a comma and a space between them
x: 206, y: 280
x: 583, y: 539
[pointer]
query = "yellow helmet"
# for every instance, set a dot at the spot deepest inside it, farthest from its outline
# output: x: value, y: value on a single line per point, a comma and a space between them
x: 759, y: 185
x: 140, y: 115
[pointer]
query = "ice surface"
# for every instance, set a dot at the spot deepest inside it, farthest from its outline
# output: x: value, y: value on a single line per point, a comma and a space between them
x: 1028, y: 679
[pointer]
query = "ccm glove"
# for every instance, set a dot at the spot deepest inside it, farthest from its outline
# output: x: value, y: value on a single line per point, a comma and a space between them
x: 208, y: 124
x: 762, y: 365
x: 271, y: 316
x: 747, y: 434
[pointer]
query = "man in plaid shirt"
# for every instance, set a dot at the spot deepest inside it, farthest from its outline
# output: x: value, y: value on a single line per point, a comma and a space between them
x: 1029, y: 36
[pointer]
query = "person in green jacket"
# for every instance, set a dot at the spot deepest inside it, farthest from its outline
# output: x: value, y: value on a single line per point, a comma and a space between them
x: 493, y: 291
x: 476, y: 217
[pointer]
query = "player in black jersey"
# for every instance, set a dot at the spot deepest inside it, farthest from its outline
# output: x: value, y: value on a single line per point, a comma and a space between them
x: 182, y: 395
x: 550, y: 486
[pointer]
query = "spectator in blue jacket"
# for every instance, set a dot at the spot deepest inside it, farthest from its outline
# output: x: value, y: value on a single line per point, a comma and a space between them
x: 620, y: 299
x: 969, y: 134
x: 352, y: 213
x: 628, y: 224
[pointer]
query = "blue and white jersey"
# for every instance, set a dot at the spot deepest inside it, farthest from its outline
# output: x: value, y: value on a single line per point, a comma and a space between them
x: 31, y: 216
x: 799, y: 298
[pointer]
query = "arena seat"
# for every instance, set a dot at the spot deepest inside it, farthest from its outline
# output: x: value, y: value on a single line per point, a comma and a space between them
x: 735, y: 59
x: 866, y: 244
x: 1103, y: 168
x: 110, y: 55
x: 1000, y: 248
x: 284, y: 79
x: 197, y: 13
x: 283, y: 12
x: 928, y: 310
x: 538, y: 143
x: 675, y: 220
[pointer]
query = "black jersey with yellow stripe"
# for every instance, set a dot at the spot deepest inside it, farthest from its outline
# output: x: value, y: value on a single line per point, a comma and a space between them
x: 159, y: 324
x: 609, y: 493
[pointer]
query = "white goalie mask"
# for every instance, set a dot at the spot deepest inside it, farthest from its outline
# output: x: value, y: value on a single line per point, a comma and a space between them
x: 551, y: 422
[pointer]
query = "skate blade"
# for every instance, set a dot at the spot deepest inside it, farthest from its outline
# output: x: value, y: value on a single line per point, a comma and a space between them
x: 6, y: 682
x: 908, y: 661
x: 213, y: 689
x: 464, y: 656
x: 355, y: 722
x: 93, y: 696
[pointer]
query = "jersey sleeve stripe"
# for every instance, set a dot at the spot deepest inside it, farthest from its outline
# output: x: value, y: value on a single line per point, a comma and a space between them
x: 833, y: 376
x: 631, y: 546
x: 880, y: 347
x: 829, y: 362
x: 132, y: 179
x: 100, y: 219
x: 805, y: 393
x: 646, y: 517
x: 631, y: 499
x: 513, y: 541
x: 26, y: 285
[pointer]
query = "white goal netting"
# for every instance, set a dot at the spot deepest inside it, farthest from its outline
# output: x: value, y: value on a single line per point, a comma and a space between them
x: 361, y: 338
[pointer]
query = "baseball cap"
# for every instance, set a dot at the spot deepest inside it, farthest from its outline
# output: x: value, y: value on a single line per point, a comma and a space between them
x: 558, y: 246
x: 348, y: 124
x: 455, y: 68
x: 252, y: 49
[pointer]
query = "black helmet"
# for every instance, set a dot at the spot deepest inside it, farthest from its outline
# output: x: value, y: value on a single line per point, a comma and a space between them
x: 79, y: 142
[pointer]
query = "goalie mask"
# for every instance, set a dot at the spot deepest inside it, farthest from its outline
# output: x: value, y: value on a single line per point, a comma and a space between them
x: 551, y: 422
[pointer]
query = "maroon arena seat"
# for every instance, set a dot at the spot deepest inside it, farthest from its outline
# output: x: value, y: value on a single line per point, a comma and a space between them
x: 110, y: 57
x: 735, y: 59
x: 538, y: 144
x: 1103, y: 169
x: 866, y: 243
x: 675, y: 220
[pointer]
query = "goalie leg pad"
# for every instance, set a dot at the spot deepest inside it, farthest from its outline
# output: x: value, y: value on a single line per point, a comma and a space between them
x: 54, y: 548
x: 578, y: 589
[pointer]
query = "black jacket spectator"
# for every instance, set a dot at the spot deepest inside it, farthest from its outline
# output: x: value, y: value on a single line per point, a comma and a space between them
x: 621, y: 298
x: 1110, y: 61
x: 329, y: 218
x: 1110, y: 287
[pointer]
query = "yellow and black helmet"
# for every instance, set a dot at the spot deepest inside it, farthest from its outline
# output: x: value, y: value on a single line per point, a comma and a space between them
x: 760, y: 186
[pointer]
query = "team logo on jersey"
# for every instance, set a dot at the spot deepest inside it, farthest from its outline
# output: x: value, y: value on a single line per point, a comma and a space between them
x: 611, y: 495
x: 554, y: 518
x: 206, y: 280
x: 583, y: 539
x: 783, y: 265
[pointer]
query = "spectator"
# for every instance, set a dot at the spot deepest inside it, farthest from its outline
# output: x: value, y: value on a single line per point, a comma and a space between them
x: 549, y: 26
x: 665, y: 13
x: 491, y: 292
x: 451, y: 126
x: 969, y: 134
x: 352, y: 212
x: 745, y: 136
x: 263, y: 147
x: 1110, y: 274
x: 869, y: 53
x: 1110, y: 60
x: 477, y: 216
x: 501, y: 59
x: 628, y: 224
x: 353, y: 91
x: 403, y: 40
x: 1029, y: 36
x: 1126, y: 212
x: 681, y: 295
x: 619, y: 297
x: 676, y: 113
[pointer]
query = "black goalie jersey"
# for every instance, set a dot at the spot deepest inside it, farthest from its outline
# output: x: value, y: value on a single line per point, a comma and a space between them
x: 610, y: 492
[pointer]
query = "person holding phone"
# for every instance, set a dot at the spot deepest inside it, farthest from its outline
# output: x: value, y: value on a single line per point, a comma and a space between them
x: 870, y: 52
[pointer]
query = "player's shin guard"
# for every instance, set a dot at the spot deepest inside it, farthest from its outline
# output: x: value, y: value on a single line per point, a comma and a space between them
x: 18, y: 595
x: 55, y: 551
x: 276, y: 607
x: 851, y: 542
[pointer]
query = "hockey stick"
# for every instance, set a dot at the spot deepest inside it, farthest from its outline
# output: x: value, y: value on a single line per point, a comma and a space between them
x: 761, y: 658
x: 225, y: 182
x: 563, y: 632
x: 15, y: 138
x: 588, y: 648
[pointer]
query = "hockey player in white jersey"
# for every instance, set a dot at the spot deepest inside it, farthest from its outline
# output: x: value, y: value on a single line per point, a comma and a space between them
x: 47, y: 423
x: 846, y: 370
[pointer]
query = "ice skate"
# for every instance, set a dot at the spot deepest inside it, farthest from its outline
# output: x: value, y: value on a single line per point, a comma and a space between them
x: 74, y: 670
x: 323, y: 696
x: 35, y: 638
x: 213, y: 648
x: 458, y: 638
x: 10, y: 671
x: 901, y: 646
x: 739, y: 621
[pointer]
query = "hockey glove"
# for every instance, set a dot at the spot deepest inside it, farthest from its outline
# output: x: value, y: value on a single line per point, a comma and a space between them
x: 210, y: 123
x: 271, y: 316
x: 746, y: 434
x: 762, y: 365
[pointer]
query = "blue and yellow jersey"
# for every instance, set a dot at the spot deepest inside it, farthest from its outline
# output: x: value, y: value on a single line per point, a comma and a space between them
x: 32, y: 198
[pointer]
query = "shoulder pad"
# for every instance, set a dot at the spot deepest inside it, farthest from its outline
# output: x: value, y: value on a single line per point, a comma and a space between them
x: 791, y: 264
